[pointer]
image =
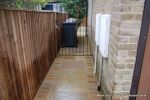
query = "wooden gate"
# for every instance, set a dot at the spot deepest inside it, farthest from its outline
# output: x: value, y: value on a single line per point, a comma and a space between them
x: 144, y: 83
x: 141, y: 79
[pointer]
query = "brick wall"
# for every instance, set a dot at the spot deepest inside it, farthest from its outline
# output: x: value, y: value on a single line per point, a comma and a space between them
x: 124, y: 35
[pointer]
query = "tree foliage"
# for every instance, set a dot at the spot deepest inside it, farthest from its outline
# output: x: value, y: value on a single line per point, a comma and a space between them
x: 23, y: 4
x: 75, y: 8
x: 7, y: 3
x: 29, y: 4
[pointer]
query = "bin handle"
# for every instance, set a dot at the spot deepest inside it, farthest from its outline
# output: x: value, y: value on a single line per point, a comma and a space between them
x: 57, y: 25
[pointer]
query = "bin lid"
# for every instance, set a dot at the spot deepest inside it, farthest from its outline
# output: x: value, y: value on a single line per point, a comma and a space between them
x: 71, y: 20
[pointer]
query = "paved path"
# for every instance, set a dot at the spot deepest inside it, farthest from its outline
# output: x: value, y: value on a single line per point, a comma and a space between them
x: 69, y: 78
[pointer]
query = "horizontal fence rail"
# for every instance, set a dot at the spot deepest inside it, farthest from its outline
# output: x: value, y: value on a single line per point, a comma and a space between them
x: 29, y: 43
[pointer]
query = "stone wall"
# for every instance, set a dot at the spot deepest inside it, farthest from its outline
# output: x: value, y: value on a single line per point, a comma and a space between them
x: 124, y: 35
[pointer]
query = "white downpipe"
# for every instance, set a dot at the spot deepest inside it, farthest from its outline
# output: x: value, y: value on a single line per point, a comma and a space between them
x: 95, y: 65
x: 97, y: 33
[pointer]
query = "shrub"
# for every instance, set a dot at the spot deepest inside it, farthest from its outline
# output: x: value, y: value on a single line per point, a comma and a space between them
x: 75, y: 8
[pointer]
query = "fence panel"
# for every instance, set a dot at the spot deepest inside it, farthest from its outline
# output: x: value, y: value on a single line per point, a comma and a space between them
x: 27, y: 49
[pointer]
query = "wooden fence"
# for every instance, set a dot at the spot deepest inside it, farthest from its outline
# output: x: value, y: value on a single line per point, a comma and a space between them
x: 29, y: 43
